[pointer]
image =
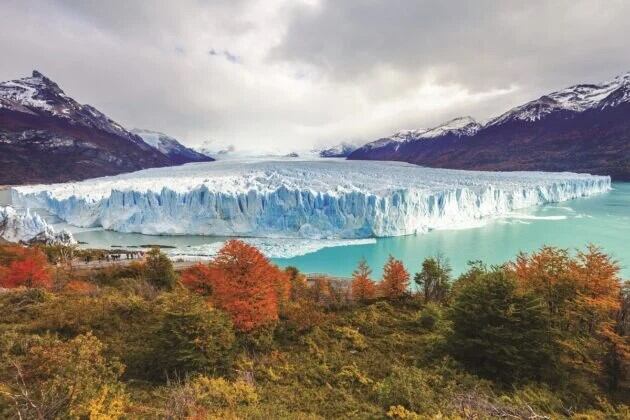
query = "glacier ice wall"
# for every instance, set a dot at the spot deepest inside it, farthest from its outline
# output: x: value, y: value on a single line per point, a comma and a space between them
x: 307, y: 199
x: 25, y: 226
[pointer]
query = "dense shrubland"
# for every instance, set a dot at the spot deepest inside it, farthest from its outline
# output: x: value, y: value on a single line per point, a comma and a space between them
x: 543, y: 336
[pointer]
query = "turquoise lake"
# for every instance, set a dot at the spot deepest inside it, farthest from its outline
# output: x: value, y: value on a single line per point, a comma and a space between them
x: 603, y: 220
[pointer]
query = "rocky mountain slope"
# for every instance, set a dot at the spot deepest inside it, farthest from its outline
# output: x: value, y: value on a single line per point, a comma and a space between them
x: 583, y: 128
x: 46, y: 136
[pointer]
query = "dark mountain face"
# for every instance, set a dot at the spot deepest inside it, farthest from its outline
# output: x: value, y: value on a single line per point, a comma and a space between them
x: 585, y: 128
x: 46, y: 136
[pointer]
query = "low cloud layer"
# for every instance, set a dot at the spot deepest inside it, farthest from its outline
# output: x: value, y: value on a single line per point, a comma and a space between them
x: 287, y: 75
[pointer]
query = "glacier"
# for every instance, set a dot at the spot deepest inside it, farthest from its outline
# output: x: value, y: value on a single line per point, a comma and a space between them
x: 293, y: 198
x: 25, y: 226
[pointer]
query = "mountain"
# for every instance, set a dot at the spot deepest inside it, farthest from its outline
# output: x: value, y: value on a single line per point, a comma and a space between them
x: 214, y: 150
x: 46, y: 136
x: 387, y: 147
x: 341, y: 150
x: 177, y: 152
x: 583, y: 128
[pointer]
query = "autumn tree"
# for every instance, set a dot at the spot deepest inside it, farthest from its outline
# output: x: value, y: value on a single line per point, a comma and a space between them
x: 158, y: 269
x: 64, y: 379
x: 198, y: 279
x: 298, y: 283
x: 246, y: 285
x: 395, y: 279
x: 434, y: 279
x: 28, y: 268
x: 362, y: 287
x: 582, y: 297
x: 304, y: 309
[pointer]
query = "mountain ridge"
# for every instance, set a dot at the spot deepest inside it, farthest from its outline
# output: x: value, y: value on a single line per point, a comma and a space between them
x: 170, y: 146
x: 582, y: 128
x: 46, y: 136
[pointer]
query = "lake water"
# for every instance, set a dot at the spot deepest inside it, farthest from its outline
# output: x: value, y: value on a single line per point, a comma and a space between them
x: 603, y: 220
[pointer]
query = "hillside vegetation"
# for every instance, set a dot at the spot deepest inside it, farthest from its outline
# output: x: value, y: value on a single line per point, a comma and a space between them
x: 543, y: 336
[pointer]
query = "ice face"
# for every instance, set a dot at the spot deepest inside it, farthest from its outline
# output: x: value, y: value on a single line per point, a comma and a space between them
x: 25, y: 226
x: 301, y: 198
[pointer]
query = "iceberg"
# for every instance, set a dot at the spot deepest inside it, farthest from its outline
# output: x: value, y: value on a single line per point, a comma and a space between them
x: 294, y: 198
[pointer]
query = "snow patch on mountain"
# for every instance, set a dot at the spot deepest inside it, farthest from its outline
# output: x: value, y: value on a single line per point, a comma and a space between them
x: 578, y: 98
x: 462, y: 126
x: 342, y: 149
x: 395, y: 139
x: 168, y: 145
x: 301, y: 198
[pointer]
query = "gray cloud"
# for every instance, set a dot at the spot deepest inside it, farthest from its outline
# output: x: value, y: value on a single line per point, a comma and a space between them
x: 309, y: 72
x: 479, y: 44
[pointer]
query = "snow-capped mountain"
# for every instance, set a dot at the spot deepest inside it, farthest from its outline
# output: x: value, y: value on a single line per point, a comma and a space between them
x: 460, y: 127
x: 574, y: 99
x: 583, y: 128
x: 40, y: 95
x: 47, y: 136
x: 457, y: 127
x: 392, y: 142
x: 340, y: 150
x: 170, y: 147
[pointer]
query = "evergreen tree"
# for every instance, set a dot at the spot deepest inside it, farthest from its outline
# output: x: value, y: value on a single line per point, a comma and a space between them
x: 193, y: 336
x: 434, y: 279
x: 499, y: 333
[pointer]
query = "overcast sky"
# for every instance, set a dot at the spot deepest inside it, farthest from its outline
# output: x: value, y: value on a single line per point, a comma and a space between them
x: 290, y: 74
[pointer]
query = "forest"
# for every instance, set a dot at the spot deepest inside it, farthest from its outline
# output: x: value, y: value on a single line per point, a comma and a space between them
x: 543, y: 336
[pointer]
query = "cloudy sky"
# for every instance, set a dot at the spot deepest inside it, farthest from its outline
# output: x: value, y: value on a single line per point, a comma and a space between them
x: 290, y: 74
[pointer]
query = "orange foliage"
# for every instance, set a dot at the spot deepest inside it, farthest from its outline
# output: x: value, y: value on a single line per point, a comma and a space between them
x: 362, y: 287
x: 79, y: 287
x: 197, y: 278
x: 588, y: 283
x: 582, y: 295
x: 27, y: 267
x: 246, y: 285
x: 598, y: 278
x: 395, y: 279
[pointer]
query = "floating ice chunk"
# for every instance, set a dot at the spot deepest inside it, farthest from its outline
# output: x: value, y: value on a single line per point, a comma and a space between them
x: 272, y: 248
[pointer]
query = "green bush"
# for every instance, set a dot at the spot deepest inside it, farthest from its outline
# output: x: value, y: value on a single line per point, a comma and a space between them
x: 193, y: 337
x: 499, y: 333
